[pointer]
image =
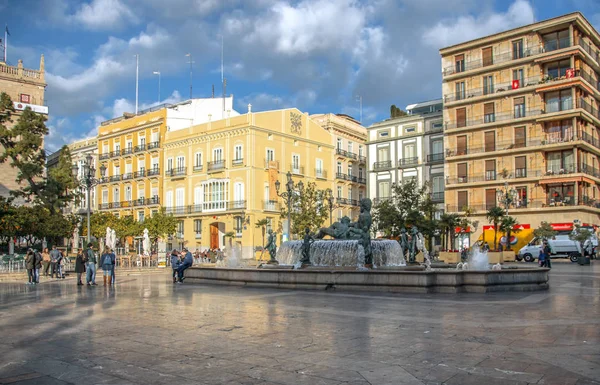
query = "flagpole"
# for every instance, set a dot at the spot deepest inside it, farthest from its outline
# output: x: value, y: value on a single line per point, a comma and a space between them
x: 5, y: 42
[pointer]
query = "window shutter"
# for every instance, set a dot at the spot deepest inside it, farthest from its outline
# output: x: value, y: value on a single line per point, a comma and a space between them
x: 461, y: 117
x: 490, y: 165
x: 490, y: 198
x: 461, y: 145
x: 461, y: 170
x: 490, y: 141
x: 519, y: 136
x: 520, y: 100
x: 462, y: 199
x: 520, y: 162
x: 487, y: 56
x: 488, y: 108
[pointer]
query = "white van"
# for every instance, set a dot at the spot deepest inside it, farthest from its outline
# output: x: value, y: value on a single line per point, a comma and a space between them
x: 561, y: 247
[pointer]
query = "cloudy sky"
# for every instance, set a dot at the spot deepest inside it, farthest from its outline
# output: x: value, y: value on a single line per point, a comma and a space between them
x: 317, y: 55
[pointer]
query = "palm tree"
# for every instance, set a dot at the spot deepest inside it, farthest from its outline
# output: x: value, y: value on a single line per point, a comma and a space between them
x: 263, y: 225
x: 494, y: 215
x: 448, y: 223
x: 506, y: 225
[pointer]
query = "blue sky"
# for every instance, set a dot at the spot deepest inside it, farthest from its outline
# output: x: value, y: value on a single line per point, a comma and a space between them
x: 317, y: 55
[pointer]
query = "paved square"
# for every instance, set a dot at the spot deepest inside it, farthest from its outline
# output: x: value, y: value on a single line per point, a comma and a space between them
x: 148, y: 331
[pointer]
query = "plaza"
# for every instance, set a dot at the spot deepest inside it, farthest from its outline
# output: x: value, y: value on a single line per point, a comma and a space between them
x: 146, y: 330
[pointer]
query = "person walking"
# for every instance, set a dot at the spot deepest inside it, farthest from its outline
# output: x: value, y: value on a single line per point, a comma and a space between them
x: 175, y: 262
x: 188, y: 261
x: 547, y: 255
x: 60, y: 265
x: 54, y: 256
x: 90, y: 266
x: 112, y: 269
x: 30, y: 265
x: 79, y: 267
x: 107, y: 262
x: 38, y: 265
x: 45, y: 261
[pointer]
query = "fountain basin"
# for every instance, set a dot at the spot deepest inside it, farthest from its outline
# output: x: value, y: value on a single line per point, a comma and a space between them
x: 393, y: 280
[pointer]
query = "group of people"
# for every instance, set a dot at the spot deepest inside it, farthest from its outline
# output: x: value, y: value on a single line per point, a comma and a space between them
x: 86, y: 262
x: 208, y: 255
x: 180, y: 262
x: 50, y: 263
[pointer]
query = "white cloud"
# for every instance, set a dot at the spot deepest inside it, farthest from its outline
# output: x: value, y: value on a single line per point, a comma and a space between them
x: 468, y: 27
x: 104, y: 15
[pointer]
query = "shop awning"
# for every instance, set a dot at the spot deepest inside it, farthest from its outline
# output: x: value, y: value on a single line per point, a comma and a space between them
x: 563, y: 180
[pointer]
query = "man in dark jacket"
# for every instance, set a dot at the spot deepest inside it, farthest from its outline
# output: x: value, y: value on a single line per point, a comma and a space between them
x: 54, y: 261
x: 90, y: 267
x: 30, y: 265
x: 38, y: 265
x: 188, y: 260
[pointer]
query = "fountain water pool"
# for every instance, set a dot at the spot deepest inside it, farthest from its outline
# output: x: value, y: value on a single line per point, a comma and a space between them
x: 342, y: 253
x: 478, y: 260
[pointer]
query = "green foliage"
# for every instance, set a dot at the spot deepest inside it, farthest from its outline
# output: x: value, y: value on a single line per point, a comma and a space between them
x: 307, y: 210
x: 396, y: 112
x: 494, y: 215
x: 127, y: 226
x: 506, y: 225
x: 263, y: 228
x: 448, y: 224
x: 99, y: 222
x: 160, y: 225
x: 580, y: 234
x: 544, y: 231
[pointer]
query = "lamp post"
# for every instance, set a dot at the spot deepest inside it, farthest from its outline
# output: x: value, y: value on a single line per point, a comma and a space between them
x: 287, y: 195
x: 88, y: 180
x: 330, y: 200
x: 506, y: 196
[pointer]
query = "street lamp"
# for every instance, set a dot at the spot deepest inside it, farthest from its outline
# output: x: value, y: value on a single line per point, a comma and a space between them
x: 330, y: 200
x: 88, y: 180
x: 287, y: 195
x: 506, y: 196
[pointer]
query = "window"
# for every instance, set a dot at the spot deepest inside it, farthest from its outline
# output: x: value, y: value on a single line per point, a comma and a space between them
x: 490, y: 198
x: 437, y: 148
x: 558, y: 69
x: 520, y: 138
x: 461, y: 117
x: 520, y: 166
x: 383, y: 189
x: 239, y: 225
x: 437, y: 186
x: 141, y: 193
x: 127, y: 193
x: 461, y: 145
x: 128, y: 168
x: 383, y: 154
x: 559, y: 101
x: 461, y: 172
x: 487, y: 56
x: 105, y: 148
x: 350, y: 193
x: 360, y: 173
x: 180, y: 162
x: 349, y: 169
x: 560, y: 162
x: 459, y: 63
x: 155, y: 163
x: 410, y: 129
x: 519, y: 107
x: 169, y: 164
x: 142, y: 141
x: 319, y: 167
x: 198, y: 228
x: 488, y: 113
x: 339, y: 143
x: 339, y: 191
x: 559, y: 131
x: 556, y: 40
x: 237, y: 152
x: 521, y: 196
x: 117, y: 147
x: 169, y: 199
x: 155, y: 137
x: 198, y: 198
x: 270, y: 155
x: 490, y: 141
x: 104, y: 196
x: 116, y: 195
x: 180, y: 229
x: 490, y: 169
x: 217, y: 155
x: 410, y: 153
x: 519, y: 76
x: 154, y: 192
x: 129, y: 145
x: 238, y: 194
x: 198, y: 161
x: 141, y: 166
x: 350, y: 146
x: 116, y: 170
x: 562, y: 194
x: 296, y: 163
x: 215, y: 195
x: 360, y: 150
x: 180, y: 200
x: 462, y: 200
x: 460, y: 90
x: 360, y: 195
x: 517, y: 49
x: 140, y: 216
x: 383, y: 133
x: 488, y: 85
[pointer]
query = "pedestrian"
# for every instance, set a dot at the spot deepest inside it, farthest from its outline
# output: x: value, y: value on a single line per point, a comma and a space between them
x: 30, y: 265
x: 79, y: 266
x: 588, y: 248
x: 542, y: 256
x: 107, y: 262
x: 54, y: 256
x: 175, y: 262
x: 90, y: 266
x: 60, y: 265
x: 188, y: 260
x: 547, y: 255
x: 45, y: 261
x: 38, y: 265
x: 112, y: 270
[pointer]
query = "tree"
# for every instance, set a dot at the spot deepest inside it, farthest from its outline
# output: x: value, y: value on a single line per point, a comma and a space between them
x: 494, y: 215
x: 507, y: 225
x: 544, y: 231
x: 448, y: 223
x: 263, y: 227
x: 160, y: 225
x: 580, y: 234
x: 396, y: 112
x: 307, y: 210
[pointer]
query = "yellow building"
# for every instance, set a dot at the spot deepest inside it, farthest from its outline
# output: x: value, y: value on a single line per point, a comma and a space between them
x: 521, y: 110
x: 130, y: 149
x: 219, y: 177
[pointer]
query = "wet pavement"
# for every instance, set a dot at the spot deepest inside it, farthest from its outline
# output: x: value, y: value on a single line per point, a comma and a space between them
x: 148, y: 331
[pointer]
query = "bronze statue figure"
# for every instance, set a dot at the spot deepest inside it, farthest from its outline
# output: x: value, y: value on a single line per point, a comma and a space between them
x: 414, y: 236
x: 404, y: 242
x: 271, y: 246
x: 308, y: 240
x: 338, y: 230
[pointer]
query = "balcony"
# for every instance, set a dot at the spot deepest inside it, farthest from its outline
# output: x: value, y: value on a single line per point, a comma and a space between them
x: 520, y: 173
x: 139, y: 174
x: 114, y: 178
x: 271, y: 206
x: 104, y: 156
x: 434, y: 128
x: 152, y: 201
x: 496, y: 59
x: 177, y: 210
x: 320, y: 173
x: 493, y: 89
x: 362, y: 159
x: 271, y: 164
x: 437, y: 196
x: 362, y: 180
x: 496, y: 146
x: 434, y: 158
x: 140, y: 148
x: 346, y: 154
x: 103, y: 180
x: 493, y: 118
x: 490, y: 175
x: 115, y: 205
x: 115, y: 153
x: 237, y: 162
x: 177, y: 172
x: 214, y: 206
x: 153, y: 172
x: 383, y: 165
x: 127, y: 176
x: 407, y: 162
x: 139, y: 202
x: 216, y: 166
x: 192, y: 209
x: 198, y: 168
x: 128, y: 151
x: 103, y: 206
x: 297, y: 169
x: 347, y: 202
x: 581, y: 103
x: 590, y: 50
x: 153, y: 146
x: 342, y: 176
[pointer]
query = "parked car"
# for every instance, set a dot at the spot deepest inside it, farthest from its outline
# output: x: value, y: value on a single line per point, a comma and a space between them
x: 561, y: 247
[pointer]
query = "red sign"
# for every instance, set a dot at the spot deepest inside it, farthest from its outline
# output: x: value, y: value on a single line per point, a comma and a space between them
x: 562, y: 226
x: 515, y: 227
x: 570, y: 73
x: 461, y: 230
x: 24, y: 98
x: 515, y: 84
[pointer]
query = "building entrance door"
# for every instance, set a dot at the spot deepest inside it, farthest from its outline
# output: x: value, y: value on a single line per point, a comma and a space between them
x: 214, y: 236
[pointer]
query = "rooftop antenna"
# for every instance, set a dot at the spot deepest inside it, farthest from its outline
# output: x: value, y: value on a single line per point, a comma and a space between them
x: 213, y: 91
